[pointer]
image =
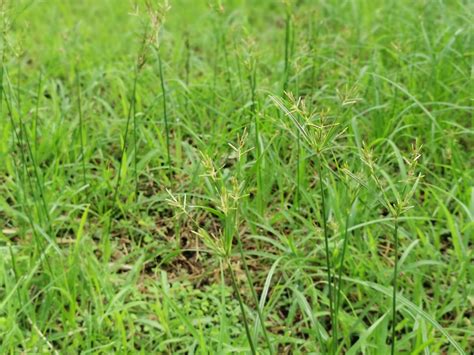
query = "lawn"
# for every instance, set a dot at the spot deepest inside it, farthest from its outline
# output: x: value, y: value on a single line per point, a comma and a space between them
x: 236, y: 176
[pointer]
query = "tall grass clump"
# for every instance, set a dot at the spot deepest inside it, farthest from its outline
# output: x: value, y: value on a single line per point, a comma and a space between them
x: 149, y: 40
x: 250, y: 62
x: 29, y: 179
x: 131, y: 114
x: 157, y: 15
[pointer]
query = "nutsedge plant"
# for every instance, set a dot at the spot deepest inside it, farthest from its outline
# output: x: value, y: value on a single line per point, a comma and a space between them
x: 227, y: 203
x: 397, y: 199
x: 319, y: 134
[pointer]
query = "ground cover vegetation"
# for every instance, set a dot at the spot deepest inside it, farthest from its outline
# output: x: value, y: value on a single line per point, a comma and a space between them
x: 236, y: 176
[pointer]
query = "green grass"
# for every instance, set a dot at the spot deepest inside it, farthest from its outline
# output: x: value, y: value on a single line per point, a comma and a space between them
x: 236, y: 177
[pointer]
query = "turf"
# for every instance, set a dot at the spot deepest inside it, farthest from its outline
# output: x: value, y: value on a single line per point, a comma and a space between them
x: 236, y: 176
